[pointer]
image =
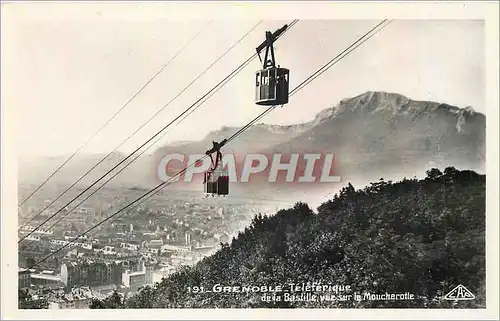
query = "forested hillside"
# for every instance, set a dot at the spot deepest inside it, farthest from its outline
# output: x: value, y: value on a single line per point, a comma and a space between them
x: 422, y: 237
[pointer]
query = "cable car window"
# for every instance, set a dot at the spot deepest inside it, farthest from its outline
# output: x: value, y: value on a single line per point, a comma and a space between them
x: 257, y: 76
x: 272, y: 84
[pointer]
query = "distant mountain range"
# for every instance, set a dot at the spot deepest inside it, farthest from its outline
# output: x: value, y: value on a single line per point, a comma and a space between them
x: 373, y: 135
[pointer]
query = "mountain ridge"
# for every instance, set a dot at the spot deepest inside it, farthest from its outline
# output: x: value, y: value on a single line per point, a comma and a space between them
x: 325, y: 114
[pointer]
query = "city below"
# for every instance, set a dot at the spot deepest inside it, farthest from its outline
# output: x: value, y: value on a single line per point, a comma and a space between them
x: 127, y: 252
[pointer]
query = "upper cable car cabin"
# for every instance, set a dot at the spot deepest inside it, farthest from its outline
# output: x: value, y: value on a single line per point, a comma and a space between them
x: 271, y: 82
x: 216, y: 180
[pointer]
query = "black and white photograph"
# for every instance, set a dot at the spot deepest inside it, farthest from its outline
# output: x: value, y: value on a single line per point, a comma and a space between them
x: 218, y: 156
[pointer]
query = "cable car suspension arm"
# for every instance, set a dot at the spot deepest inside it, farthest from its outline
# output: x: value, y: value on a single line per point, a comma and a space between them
x: 216, y: 149
x: 268, y: 44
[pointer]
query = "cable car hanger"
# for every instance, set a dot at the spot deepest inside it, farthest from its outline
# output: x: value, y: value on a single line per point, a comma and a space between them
x: 268, y: 43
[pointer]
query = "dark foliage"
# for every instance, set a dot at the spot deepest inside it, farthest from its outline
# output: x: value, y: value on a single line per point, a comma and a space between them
x: 419, y: 236
x: 114, y: 301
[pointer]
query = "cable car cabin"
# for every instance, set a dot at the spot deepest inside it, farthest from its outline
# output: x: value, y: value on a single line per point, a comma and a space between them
x: 271, y: 82
x: 216, y: 183
x: 272, y: 86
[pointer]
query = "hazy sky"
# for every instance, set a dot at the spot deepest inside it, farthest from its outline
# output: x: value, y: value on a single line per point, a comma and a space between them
x: 71, y: 76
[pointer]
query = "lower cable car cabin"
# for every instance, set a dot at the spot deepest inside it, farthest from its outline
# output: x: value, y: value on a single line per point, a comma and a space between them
x: 216, y: 183
x: 272, y: 86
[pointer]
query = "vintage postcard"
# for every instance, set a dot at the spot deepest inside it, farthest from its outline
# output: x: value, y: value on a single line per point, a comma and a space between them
x: 250, y: 160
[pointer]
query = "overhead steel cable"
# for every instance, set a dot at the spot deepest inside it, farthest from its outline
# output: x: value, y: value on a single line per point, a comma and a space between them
x: 162, y: 185
x: 203, y: 98
x: 372, y: 32
x: 152, y: 191
x: 165, y: 65
x: 128, y: 138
